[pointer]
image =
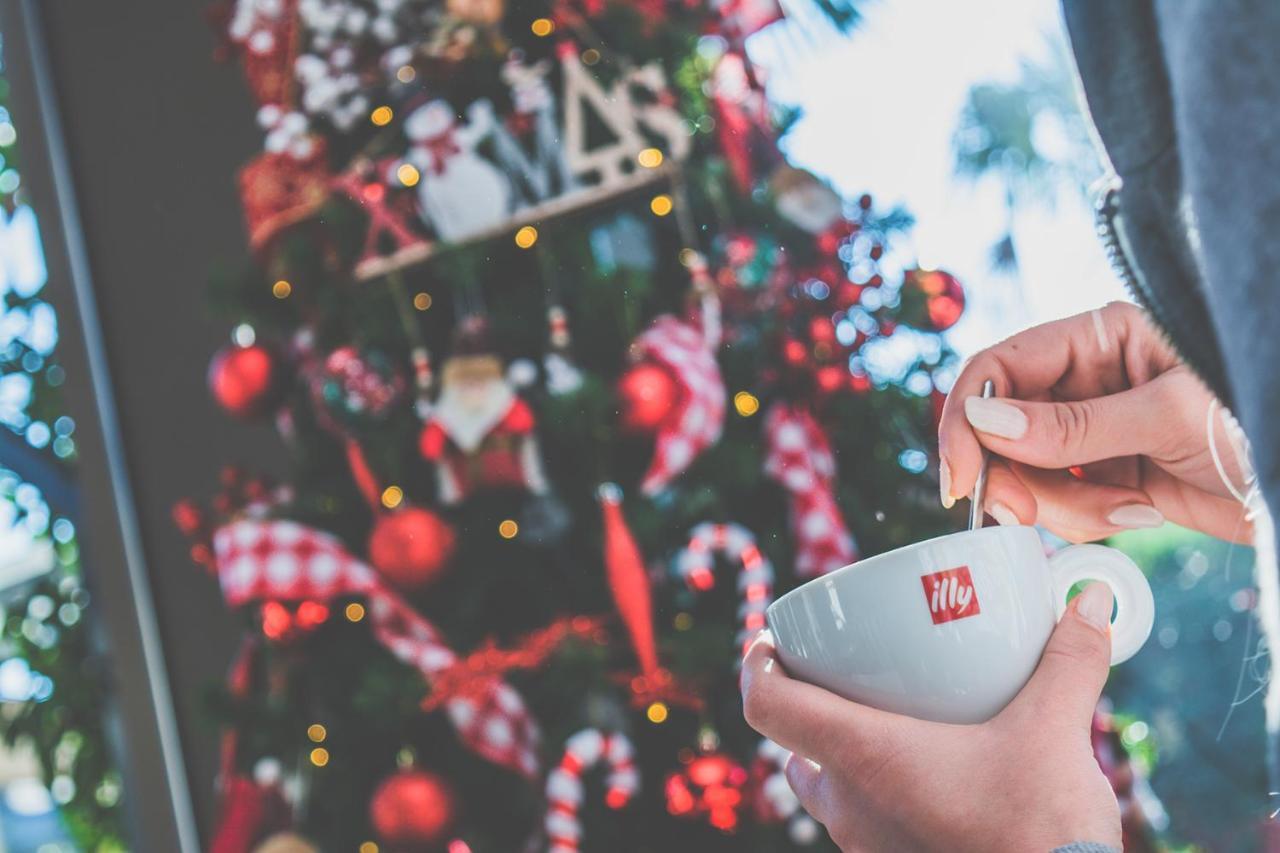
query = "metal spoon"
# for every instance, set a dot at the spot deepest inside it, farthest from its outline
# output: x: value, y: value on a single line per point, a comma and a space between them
x: 976, y: 515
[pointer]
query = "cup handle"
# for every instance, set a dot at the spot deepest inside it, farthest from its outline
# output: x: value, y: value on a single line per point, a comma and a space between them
x: 1135, y: 609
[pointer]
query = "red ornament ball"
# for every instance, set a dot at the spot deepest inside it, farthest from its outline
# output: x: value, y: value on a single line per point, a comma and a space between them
x: 943, y: 295
x: 411, y: 547
x: 648, y: 395
x: 245, y: 380
x: 412, y: 807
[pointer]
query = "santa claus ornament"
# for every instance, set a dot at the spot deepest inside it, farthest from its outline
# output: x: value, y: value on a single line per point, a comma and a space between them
x: 480, y: 434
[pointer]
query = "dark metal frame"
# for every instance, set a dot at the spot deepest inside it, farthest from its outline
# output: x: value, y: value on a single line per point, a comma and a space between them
x: 148, y: 748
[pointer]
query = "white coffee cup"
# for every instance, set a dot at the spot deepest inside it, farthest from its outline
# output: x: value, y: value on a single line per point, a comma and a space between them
x: 952, y: 628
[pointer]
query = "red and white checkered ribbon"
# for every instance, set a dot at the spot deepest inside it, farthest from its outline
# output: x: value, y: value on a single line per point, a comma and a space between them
x: 696, y: 564
x: 564, y: 784
x: 799, y: 457
x: 682, y: 348
x: 264, y: 559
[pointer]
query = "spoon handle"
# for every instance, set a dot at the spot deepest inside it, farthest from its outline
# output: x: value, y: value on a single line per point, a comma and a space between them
x: 976, y: 514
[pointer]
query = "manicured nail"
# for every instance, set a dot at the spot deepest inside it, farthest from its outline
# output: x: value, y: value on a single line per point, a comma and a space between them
x: 1136, y: 515
x: 1094, y: 605
x: 944, y: 485
x: 1003, y: 515
x: 995, y: 417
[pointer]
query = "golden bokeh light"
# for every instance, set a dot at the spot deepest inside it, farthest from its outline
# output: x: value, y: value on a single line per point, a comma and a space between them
x: 355, y: 611
x: 650, y: 158
x: 508, y: 529
x: 281, y: 289
x: 381, y: 116
x: 657, y: 713
x: 405, y: 73
x: 422, y: 301
x: 526, y: 237
x: 746, y: 403
x: 392, y: 496
x: 317, y: 733
x: 408, y: 175
x: 661, y: 205
x: 319, y: 756
x: 543, y: 27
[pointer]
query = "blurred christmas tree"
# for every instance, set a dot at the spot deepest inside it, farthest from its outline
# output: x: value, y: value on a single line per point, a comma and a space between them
x: 576, y: 373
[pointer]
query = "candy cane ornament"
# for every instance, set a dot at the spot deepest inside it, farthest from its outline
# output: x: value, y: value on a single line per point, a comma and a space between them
x: 696, y: 564
x: 778, y: 800
x: 564, y: 784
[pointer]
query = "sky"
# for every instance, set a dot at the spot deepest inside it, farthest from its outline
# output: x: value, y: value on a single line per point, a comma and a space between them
x: 879, y: 108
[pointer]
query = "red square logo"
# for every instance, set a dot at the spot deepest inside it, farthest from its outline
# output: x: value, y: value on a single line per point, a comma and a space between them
x: 950, y: 595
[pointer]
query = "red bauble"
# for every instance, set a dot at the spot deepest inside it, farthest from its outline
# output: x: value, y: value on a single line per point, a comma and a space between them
x: 943, y: 295
x: 412, y: 807
x: 244, y: 380
x: 411, y: 547
x: 648, y: 395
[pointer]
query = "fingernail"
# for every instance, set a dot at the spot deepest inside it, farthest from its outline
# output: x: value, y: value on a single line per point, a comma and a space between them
x: 1136, y: 515
x: 995, y: 417
x: 944, y: 484
x: 1094, y: 605
x: 1003, y: 515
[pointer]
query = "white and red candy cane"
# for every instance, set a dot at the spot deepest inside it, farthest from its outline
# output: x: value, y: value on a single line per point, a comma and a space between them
x: 696, y: 564
x: 779, y: 801
x: 799, y: 457
x: 564, y: 784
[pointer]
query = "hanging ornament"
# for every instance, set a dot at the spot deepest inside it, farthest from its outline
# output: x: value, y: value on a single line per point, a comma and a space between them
x: 806, y: 202
x: 246, y: 381
x: 710, y: 786
x: 412, y: 807
x: 696, y: 564
x: 363, y: 185
x: 628, y: 579
x: 274, y: 560
x: 286, y: 842
x: 682, y: 349
x: 461, y: 195
x: 942, y: 294
x: 357, y: 387
x: 583, y: 751
x: 744, y: 123
x: 563, y: 376
x: 799, y: 457
x: 480, y: 434
x: 411, y: 547
x: 771, y: 796
x: 282, y: 188
x: 542, y: 173
x: 250, y: 810
x: 647, y: 398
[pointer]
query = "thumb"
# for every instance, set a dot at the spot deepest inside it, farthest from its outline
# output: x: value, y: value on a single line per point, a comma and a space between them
x: 1067, y: 683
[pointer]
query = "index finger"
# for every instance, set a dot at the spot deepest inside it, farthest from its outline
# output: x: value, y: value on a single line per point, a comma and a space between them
x: 1027, y: 366
x: 808, y: 720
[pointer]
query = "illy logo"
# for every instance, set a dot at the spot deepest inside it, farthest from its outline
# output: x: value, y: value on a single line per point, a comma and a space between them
x: 950, y: 595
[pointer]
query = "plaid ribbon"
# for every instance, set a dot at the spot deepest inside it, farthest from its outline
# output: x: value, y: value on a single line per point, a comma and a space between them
x: 799, y: 457
x: 261, y: 559
x: 683, y: 349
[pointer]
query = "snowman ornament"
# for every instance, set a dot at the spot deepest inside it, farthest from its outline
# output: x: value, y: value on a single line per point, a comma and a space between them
x: 460, y: 194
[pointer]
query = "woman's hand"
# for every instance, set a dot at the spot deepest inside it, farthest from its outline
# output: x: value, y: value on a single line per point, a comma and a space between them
x: 1102, y: 391
x: 1025, y: 781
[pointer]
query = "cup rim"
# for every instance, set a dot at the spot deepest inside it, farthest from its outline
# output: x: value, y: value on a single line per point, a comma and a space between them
x: 869, y: 562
